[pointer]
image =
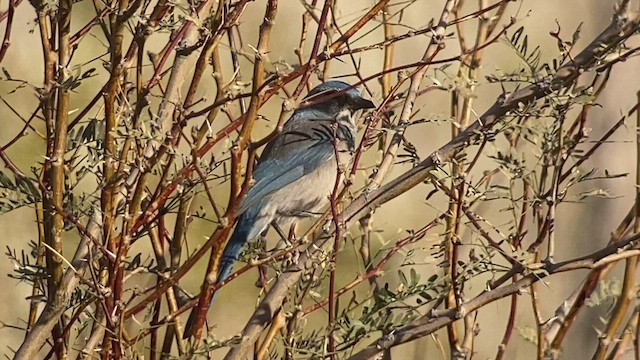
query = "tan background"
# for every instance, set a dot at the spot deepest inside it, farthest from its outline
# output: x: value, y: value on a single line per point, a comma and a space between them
x: 581, y: 228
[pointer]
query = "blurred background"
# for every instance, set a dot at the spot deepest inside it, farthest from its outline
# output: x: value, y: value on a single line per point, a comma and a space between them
x: 581, y: 227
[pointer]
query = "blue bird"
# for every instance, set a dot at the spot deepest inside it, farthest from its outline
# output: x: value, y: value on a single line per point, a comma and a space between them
x: 298, y: 167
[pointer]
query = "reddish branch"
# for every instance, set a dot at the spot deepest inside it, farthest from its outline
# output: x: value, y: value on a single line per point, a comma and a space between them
x: 250, y: 117
x: 58, y: 41
x: 622, y: 28
x: 7, y: 30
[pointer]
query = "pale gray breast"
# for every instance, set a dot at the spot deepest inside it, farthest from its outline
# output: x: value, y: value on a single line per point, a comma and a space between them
x: 309, y: 194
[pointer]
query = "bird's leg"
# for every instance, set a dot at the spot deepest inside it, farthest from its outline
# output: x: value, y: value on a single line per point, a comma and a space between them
x: 292, y: 233
x: 280, y: 232
x: 284, y: 242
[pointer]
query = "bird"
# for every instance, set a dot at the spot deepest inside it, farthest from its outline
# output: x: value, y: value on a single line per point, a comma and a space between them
x: 298, y: 168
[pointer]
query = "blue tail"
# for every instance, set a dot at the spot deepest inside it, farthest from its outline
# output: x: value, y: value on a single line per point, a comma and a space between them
x: 249, y: 226
x: 241, y: 234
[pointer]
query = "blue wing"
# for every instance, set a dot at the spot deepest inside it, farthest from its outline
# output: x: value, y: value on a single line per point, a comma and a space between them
x: 275, y: 173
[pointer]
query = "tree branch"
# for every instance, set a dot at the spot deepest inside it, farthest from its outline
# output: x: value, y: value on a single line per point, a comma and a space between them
x: 622, y: 27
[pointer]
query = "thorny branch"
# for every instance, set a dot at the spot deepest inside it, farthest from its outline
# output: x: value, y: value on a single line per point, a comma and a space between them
x: 132, y: 138
x: 623, y: 26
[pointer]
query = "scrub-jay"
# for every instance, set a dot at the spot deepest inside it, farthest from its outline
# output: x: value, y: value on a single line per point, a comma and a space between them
x: 298, y: 169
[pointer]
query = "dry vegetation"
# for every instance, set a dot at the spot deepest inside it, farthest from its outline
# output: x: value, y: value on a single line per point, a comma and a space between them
x: 138, y: 138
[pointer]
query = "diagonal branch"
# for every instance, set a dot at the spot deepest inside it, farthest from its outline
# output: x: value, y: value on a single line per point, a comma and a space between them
x: 622, y: 27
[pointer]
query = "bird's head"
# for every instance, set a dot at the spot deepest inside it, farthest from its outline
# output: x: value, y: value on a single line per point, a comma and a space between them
x: 335, y: 97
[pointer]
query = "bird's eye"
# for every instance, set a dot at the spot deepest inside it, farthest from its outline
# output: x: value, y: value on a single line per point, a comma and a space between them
x: 345, y: 100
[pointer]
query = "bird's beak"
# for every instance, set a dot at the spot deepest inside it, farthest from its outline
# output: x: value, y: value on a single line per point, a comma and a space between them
x: 363, y: 103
